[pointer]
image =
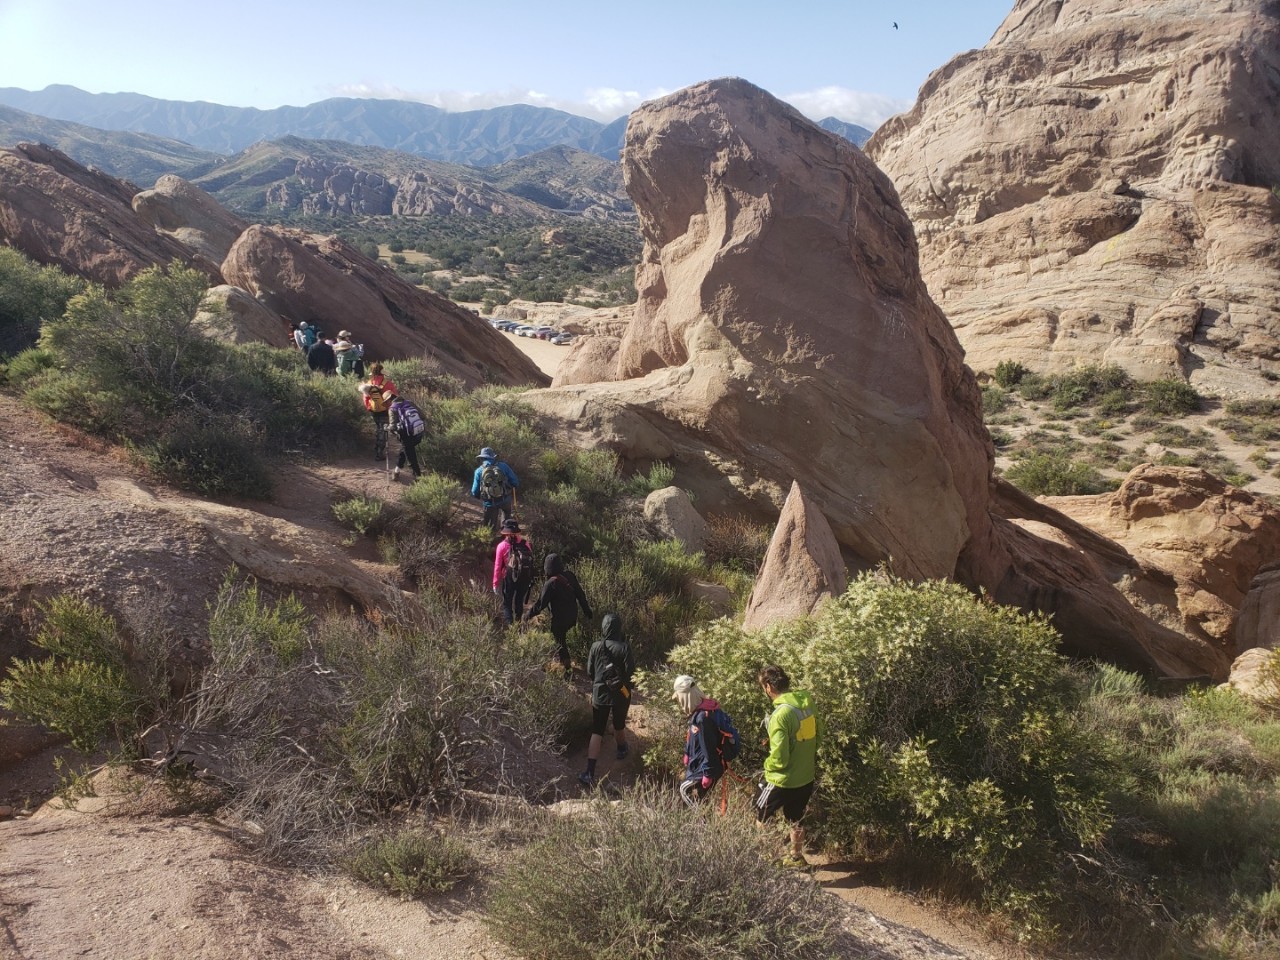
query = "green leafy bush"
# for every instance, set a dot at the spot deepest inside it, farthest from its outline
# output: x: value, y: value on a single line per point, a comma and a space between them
x: 412, y: 863
x: 1171, y: 397
x: 950, y: 724
x: 30, y: 295
x: 83, y: 687
x: 649, y: 880
x: 1009, y: 373
x: 362, y: 514
x: 1054, y: 476
x: 433, y: 499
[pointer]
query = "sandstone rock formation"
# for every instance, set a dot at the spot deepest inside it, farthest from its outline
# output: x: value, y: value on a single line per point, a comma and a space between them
x: 783, y: 333
x: 231, y: 313
x: 57, y: 212
x: 327, y: 282
x: 177, y: 209
x: 1251, y: 676
x: 802, y: 567
x: 671, y: 512
x: 1095, y: 185
x: 1258, y: 624
x: 1198, y: 541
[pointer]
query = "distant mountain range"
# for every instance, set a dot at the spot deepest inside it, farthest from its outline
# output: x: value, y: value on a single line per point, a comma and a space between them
x: 478, y: 138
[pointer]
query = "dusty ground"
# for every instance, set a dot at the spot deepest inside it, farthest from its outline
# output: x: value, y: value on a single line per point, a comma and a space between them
x: 115, y: 880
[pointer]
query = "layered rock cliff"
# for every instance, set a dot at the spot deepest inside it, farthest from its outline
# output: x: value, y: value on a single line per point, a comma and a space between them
x: 1096, y: 185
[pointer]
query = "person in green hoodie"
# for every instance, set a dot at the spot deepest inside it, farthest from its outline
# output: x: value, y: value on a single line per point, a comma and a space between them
x: 792, y: 765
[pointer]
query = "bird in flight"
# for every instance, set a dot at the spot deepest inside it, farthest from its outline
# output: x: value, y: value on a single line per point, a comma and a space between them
x: 895, y: 24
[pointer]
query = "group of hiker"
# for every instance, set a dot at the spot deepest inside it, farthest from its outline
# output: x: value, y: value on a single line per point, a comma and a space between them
x: 328, y: 357
x: 793, y: 727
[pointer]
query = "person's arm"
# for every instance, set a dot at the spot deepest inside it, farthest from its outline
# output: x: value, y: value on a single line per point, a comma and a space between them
x: 500, y: 561
x: 779, y: 742
x: 579, y: 595
x: 544, y: 599
x: 475, y: 483
x: 509, y: 474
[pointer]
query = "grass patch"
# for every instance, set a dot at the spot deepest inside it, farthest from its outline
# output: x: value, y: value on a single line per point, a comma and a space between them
x: 412, y: 863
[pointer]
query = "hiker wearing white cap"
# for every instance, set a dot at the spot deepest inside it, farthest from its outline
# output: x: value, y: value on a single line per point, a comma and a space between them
x: 710, y: 743
x: 494, y: 485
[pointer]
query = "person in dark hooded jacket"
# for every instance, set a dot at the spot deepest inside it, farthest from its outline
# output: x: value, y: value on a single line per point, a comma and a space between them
x: 610, y: 664
x: 562, y: 595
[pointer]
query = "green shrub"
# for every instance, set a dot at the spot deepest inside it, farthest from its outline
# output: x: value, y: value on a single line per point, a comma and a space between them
x: 361, y: 514
x: 1009, y: 373
x: 1171, y: 397
x: 950, y: 724
x: 737, y: 541
x: 994, y: 400
x: 30, y: 295
x: 412, y: 863
x: 646, y: 880
x: 83, y: 687
x: 433, y: 499
x: 216, y: 454
x: 1088, y: 384
x: 1054, y: 476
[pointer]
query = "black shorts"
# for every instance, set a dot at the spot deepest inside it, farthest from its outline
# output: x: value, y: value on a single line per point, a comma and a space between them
x: 600, y: 716
x: 792, y: 801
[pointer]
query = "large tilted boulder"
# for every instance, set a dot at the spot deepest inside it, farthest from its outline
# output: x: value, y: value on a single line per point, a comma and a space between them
x: 177, y: 209
x: 783, y: 333
x: 1094, y: 185
x: 232, y: 314
x: 802, y: 567
x: 325, y: 281
x: 60, y: 213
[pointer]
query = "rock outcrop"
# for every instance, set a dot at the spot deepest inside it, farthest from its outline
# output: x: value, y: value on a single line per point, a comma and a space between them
x: 58, y: 212
x: 783, y: 333
x: 177, y: 209
x: 329, y: 283
x: 234, y: 314
x: 1258, y: 624
x: 1251, y: 676
x: 1095, y: 185
x: 802, y: 567
x: 671, y: 513
x: 1198, y: 541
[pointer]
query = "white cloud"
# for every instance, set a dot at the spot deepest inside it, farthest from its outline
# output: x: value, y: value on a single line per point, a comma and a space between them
x: 853, y: 106
x: 608, y: 103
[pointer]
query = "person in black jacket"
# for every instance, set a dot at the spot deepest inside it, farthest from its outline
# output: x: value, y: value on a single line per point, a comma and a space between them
x: 562, y: 595
x: 610, y: 664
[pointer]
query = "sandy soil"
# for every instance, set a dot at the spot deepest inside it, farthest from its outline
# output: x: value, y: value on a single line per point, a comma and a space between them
x: 545, y: 354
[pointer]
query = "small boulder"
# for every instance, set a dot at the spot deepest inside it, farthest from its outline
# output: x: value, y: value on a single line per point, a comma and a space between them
x: 671, y: 511
x: 1250, y: 677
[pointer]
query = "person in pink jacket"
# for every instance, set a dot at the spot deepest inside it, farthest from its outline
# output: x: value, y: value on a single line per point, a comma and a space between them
x: 512, y: 571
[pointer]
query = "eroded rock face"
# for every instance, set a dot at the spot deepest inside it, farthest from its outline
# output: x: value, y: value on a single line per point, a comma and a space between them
x: 1259, y: 622
x: 58, y: 212
x: 327, y: 282
x: 1251, y: 676
x: 1199, y: 541
x: 1094, y: 185
x: 802, y: 567
x: 231, y: 313
x: 177, y: 209
x: 783, y: 333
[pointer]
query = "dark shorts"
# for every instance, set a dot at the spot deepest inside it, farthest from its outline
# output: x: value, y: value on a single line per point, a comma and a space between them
x: 792, y: 801
x: 600, y: 716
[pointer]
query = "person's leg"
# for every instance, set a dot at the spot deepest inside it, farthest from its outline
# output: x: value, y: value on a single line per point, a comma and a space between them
x: 521, y: 600
x: 561, y: 633
x: 491, y: 514
x: 380, y: 434
x: 508, y: 601
x: 620, y: 726
x: 412, y: 450
x: 599, y: 717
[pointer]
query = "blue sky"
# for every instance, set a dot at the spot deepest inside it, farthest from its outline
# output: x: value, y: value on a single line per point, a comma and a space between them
x: 590, y: 57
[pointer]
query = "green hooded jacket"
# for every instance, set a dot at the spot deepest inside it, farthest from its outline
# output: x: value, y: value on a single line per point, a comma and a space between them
x: 795, y: 731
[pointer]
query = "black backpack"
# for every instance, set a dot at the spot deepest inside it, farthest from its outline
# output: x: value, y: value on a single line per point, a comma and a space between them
x: 520, y: 563
x: 730, y: 746
x: 613, y: 676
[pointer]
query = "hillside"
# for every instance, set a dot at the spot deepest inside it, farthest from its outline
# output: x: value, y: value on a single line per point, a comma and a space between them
x: 140, y: 158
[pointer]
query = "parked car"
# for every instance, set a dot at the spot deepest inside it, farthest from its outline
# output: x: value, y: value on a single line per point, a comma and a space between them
x: 507, y: 325
x: 525, y: 330
x: 563, y: 339
x: 545, y: 333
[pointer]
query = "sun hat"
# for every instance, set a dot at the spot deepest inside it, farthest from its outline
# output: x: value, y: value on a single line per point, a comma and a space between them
x: 487, y: 453
x: 510, y: 526
x: 686, y: 693
x: 388, y: 395
x: 344, y: 333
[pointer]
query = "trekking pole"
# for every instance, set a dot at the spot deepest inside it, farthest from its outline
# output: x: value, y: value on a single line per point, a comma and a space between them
x: 513, y: 502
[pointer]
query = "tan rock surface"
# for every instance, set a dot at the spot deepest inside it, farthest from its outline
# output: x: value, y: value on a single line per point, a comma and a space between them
x: 180, y: 210
x: 783, y: 333
x: 802, y: 567
x: 1199, y: 542
x: 1251, y: 677
x: 57, y: 212
x: 672, y: 514
x: 1258, y: 624
x: 1094, y: 185
x: 228, y: 311
x: 327, y: 282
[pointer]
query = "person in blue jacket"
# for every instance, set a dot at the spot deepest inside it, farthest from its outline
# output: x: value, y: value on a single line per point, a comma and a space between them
x: 494, y: 484
x: 703, y: 761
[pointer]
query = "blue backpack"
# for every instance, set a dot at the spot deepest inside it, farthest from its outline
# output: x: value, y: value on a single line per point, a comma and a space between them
x: 730, y: 745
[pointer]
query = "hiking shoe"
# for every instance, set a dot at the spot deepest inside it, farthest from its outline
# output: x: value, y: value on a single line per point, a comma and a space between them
x: 623, y: 751
x: 395, y: 474
x: 588, y: 780
x: 795, y: 861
